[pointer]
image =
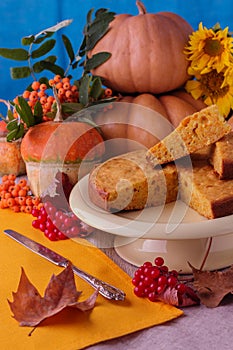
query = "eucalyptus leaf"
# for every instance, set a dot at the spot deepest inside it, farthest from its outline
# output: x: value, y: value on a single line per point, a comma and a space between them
x: 84, y: 89
x: 96, y: 60
x: 20, y: 72
x: 27, y: 40
x: 68, y: 47
x: 14, y: 54
x: 44, y: 48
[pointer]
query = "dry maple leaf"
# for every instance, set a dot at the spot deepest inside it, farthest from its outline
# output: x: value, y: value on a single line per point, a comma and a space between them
x: 29, y: 308
x: 212, y: 286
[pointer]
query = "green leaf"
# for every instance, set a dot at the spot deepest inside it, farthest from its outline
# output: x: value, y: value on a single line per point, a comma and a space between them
x: 27, y: 40
x: 14, y: 54
x: 68, y: 47
x: 53, y: 68
x: 38, y: 112
x: 96, y: 88
x: 44, y: 48
x: 25, y: 112
x: 96, y: 60
x: 70, y: 108
x: 12, y: 124
x: 20, y: 72
x: 84, y: 90
x: 38, y: 67
x: 16, y: 133
x: 101, y: 23
x: 89, y: 16
x: 10, y: 115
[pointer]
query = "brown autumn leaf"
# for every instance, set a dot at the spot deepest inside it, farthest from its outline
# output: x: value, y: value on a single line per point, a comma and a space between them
x: 172, y: 297
x: 29, y: 308
x: 212, y: 286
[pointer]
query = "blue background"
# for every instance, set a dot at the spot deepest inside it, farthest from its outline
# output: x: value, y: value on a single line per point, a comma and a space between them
x: 25, y: 17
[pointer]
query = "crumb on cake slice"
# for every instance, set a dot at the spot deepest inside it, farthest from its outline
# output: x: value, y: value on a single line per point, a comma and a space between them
x: 192, y: 134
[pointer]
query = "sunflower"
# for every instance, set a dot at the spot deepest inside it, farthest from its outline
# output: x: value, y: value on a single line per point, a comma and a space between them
x: 214, y: 88
x: 210, y: 49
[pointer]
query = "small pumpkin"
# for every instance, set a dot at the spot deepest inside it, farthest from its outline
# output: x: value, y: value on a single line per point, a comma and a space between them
x: 146, y: 52
x: 11, y: 161
x: 143, y: 120
x: 51, y: 147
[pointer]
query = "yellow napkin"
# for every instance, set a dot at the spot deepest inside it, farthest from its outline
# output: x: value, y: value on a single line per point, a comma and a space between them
x: 70, y: 329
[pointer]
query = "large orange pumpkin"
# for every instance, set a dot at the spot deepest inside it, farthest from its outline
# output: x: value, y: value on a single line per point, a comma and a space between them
x: 69, y: 147
x: 143, y: 120
x: 146, y: 52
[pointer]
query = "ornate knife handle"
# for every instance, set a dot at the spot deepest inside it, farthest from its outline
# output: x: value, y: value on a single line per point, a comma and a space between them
x: 105, y: 289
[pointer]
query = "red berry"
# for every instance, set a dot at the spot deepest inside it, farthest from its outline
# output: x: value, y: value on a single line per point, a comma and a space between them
x: 159, y: 261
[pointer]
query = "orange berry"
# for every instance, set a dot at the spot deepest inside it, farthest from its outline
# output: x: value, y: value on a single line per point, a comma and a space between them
x: 59, y: 86
x: 26, y: 94
x: 12, y: 177
x: 16, y: 100
x: 28, y: 209
x: 65, y: 80
x: 4, y: 178
x: 43, y: 87
x: 22, y: 208
x: 66, y: 86
x: 108, y: 92
x: 28, y: 201
x: 21, y: 200
x: 15, y: 193
x: 74, y: 88
x: 43, y: 100
x: 50, y: 99
x: 7, y: 195
x: 35, y: 200
x: 35, y: 85
x: 40, y: 205
x: 22, y: 193
x: 68, y: 93
x: 41, y: 93
x: 51, y: 82
x: 61, y: 91
x: 10, y: 202
x: 16, y: 208
x: 22, y: 182
x: 57, y: 78
x: 33, y: 96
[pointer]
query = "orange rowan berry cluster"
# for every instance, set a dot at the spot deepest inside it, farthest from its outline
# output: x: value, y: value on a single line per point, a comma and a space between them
x: 65, y: 90
x: 15, y: 195
x: 40, y: 92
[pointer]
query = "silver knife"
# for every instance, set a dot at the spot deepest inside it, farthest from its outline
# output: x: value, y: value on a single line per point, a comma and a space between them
x: 105, y: 289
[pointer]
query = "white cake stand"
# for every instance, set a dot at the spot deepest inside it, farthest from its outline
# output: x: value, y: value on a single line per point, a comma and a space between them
x: 175, y: 232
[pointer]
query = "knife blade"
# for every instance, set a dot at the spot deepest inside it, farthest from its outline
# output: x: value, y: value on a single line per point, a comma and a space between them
x: 105, y: 289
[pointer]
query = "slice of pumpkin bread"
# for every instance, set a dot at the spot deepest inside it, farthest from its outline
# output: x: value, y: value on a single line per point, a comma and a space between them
x: 192, y: 134
x: 128, y: 182
x: 202, y: 190
x: 222, y: 157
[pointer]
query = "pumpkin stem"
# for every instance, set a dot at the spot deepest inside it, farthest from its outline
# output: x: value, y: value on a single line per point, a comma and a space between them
x: 58, y: 116
x: 141, y: 8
